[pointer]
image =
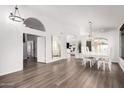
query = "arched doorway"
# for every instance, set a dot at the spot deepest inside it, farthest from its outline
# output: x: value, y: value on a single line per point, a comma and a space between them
x: 100, y: 45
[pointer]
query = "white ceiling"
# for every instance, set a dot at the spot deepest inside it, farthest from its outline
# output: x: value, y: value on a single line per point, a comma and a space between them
x: 104, y: 18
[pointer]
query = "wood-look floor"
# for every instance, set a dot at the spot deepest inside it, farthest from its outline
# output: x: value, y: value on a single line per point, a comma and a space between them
x: 64, y: 74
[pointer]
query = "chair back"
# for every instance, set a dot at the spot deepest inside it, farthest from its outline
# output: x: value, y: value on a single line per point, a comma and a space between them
x: 85, y: 51
x: 108, y: 58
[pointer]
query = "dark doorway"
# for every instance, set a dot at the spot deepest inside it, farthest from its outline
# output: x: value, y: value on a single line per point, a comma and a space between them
x: 88, y: 44
x: 29, y: 49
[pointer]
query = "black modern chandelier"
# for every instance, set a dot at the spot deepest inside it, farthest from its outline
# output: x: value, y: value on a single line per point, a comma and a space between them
x: 15, y: 16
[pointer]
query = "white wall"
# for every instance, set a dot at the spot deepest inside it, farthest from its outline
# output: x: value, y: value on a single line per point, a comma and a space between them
x: 11, y: 45
x: 41, y: 49
x: 11, y: 33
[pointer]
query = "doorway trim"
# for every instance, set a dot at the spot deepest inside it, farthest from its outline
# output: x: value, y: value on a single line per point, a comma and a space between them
x: 36, y: 50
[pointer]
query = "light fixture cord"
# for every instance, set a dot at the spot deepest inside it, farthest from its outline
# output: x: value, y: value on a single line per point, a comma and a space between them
x: 90, y: 24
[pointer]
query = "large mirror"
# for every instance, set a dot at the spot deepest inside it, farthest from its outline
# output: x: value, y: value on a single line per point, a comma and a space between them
x: 56, y: 47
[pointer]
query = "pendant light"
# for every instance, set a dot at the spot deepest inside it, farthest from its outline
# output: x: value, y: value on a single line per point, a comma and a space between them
x: 15, y: 16
x: 91, y: 32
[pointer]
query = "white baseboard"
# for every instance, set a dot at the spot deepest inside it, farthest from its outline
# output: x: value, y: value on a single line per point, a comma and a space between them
x: 9, y: 72
x: 56, y: 59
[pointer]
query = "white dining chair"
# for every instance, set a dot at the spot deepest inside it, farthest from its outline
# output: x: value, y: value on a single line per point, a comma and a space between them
x: 100, y: 62
x: 86, y: 60
x: 86, y: 57
x: 107, y: 61
x: 103, y: 61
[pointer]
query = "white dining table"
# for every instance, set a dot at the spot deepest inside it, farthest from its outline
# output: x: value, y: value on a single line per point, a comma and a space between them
x: 96, y: 55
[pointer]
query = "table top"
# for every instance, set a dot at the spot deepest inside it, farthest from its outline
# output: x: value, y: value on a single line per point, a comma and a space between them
x: 96, y: 55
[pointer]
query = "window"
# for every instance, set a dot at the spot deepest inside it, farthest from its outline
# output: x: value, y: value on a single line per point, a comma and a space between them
x: 100, y: 45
